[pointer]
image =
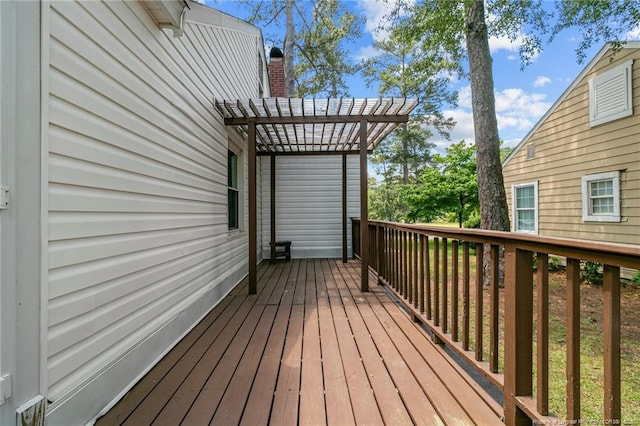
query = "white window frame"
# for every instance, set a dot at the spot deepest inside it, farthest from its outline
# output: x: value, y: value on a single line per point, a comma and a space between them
x: 514, y: 189
x: 587, y: 216
x: 625, y: 108
x: 235, y: 148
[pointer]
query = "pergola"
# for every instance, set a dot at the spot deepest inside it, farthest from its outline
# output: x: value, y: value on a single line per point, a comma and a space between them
x: 294, y: 126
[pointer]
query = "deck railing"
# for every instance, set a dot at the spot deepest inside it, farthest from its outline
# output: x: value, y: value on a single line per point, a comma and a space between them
x: 430, y: 270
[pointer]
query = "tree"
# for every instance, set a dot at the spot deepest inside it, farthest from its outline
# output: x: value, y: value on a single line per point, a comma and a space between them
x: 450, y: 187
x: 323, y: 50
x: 402, y: 69
x: 316, y: 59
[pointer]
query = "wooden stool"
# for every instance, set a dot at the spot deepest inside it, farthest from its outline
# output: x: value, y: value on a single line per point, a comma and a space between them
x: 283, y: 250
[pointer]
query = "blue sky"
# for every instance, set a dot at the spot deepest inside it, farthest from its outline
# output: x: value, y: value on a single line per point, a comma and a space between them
x: 522, y: 96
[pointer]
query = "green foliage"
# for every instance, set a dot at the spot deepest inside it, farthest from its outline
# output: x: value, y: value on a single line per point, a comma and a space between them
x: 450, y: 187
x: 591, y: 272
x: 322, y: 36
x: 635, y: 280
x: 385, y: 200
x: 404, y: 154
x: 473, y: 220
x: 555, y: 265
x: 323, y: 46
x: 598, y: 21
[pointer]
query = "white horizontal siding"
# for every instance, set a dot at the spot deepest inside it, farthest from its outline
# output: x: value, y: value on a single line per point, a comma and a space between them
x: 309, y: 204
x: 137, y: 182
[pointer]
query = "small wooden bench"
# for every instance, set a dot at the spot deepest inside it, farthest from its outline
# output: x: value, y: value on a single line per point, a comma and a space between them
x: 283, y: 250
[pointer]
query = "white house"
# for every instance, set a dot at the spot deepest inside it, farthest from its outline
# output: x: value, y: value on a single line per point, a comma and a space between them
x: 126, y: 207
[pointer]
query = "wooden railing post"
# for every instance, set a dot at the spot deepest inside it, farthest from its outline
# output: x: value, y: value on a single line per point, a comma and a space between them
x: 611, y: 330
x: 518, y: 333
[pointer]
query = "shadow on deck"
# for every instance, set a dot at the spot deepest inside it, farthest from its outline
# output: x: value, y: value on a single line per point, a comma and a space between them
x: 309, y: 348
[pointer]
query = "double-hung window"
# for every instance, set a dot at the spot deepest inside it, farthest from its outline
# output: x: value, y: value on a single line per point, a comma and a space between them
x: 525, y: 207
x: 233, y: 188
x: 601, y: 197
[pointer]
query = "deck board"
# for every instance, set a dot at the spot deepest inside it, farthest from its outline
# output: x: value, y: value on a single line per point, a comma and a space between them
x: 309, y: 348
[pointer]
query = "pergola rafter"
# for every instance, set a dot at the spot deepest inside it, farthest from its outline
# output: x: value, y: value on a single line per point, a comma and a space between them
x: 340, y: 126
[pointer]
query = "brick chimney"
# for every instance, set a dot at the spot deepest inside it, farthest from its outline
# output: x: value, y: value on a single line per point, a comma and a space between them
x: 276, y: 73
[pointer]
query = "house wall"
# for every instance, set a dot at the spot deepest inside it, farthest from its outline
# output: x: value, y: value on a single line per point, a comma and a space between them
x: 566, y: 149
x: 309, y: 204
x: 138, y: 242
x: 21, y: 231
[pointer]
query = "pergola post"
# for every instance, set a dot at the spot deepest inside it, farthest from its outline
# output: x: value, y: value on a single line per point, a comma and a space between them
x: 364, y: 209
x: 253, y: 209
x: 344, y: 207
x: 273, y: 208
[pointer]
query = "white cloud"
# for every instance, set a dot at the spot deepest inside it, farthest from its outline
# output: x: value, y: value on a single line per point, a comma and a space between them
x: 633, y: 33
x: 504, y: 43
x: 517, y: 103
x: 516, y: 111
x: 366, y: 52
x: 541, y: 81
x: 464, y: 97
x: 376, y: 13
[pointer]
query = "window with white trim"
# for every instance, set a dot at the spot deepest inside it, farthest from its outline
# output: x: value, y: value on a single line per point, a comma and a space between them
x: 610, y: 96
x: 233, y: 190
x: 525, y: 207
x: 601, y: 197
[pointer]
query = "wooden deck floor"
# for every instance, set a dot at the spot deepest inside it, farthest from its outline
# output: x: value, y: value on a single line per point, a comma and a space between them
x: 308, y: 349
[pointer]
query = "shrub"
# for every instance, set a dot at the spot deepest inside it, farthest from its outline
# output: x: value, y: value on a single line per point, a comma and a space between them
x: 635, y: 280
x: 592, y: 272
x: 473, y: 221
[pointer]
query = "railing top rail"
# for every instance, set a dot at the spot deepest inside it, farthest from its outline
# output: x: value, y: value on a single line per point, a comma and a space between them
x: 625, y: 255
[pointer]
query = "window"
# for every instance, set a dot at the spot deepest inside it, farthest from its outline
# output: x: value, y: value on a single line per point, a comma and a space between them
x: 610, y: 95
x: 525, y: 207
x: 233, y: 189
x: 601, y: 197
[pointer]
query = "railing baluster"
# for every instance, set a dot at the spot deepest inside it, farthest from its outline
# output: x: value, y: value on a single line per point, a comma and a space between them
x: 392, y: 257
x: 404, y: 264
x: 465, y: 296
x: 416, y: 251
x: 427, y: 268
x: 573, y: 339
x: 436, y: 281
x: 410, y: 273
x: 454, y: 290
x: 445, y: 286
x: 542, y: 288
x: 479, y: 300
x: 398, y: 286
x: 422, y: 275
x: 494, y: 309
x: 611, y: 331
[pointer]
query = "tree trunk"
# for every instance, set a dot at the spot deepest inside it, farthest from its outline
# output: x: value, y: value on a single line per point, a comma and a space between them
x: 289, y: 37
x: 494, y: 213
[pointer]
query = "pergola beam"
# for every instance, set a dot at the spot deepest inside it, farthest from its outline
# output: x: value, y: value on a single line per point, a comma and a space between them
x: 320, y: 119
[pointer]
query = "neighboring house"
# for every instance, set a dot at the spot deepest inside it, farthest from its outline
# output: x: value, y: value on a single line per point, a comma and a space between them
x: 123, y: 215
x: 577, y: 173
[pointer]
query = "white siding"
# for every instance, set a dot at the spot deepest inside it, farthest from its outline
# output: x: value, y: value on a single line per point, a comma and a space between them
x: 138, y: 236
x: 309, y: 204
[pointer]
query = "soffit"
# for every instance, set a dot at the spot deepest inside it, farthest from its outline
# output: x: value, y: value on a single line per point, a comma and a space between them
x: 299, y: 125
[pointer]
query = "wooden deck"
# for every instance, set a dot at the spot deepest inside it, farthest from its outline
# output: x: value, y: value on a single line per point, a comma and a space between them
x: 309, y: 348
